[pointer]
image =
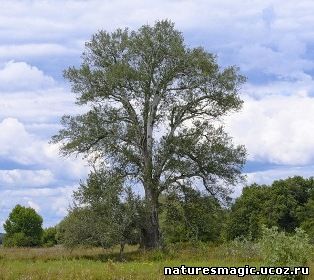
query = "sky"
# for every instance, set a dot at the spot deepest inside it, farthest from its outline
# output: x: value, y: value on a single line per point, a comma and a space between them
x: 271, y: 41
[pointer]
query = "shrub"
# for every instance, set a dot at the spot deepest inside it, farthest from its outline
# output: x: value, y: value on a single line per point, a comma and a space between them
x: 241, y: 248
x: 18, y: 239
x: 280, y: 249
x: 49, y: 237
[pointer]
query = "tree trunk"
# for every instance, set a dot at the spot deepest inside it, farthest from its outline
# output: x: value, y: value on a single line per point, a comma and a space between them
x: 122, y: 244
x: 150, y: 230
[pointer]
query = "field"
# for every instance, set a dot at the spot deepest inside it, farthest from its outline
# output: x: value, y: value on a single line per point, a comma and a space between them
x: 97, y: 263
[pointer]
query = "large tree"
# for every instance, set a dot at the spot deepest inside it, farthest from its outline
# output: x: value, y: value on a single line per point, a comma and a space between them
x: 154, y: 112
x: 104, y: 214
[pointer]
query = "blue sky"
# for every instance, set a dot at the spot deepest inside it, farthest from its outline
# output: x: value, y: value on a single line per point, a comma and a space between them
x: 271, y: 41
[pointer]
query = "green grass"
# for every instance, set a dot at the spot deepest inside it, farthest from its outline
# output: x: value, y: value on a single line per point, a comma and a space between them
x: 96, y: 263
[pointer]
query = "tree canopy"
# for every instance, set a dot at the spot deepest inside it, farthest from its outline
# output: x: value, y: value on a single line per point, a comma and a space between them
x: 286, y: 204
x: 23, y: 227
x: 154, y: 112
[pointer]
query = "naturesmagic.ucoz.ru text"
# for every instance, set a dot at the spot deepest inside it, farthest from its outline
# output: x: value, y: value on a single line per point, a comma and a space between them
x: 239, y: 271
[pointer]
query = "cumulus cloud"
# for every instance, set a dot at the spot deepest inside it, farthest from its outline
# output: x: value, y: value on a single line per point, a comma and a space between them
x: 24, y: 178
x: 265, y: 36
x: 268, y: 176
x: 27, y: 93
x: 31, y: 104
x: 16, y: 144
x: 33, y: 205
x: 20, y: 146
x: 276, y: 129
x: 38, y: 106
x: 51, y: 203
x: 278, y: 62
x: 31, y: 50
x: 300, y: 87
x: 21, y: 76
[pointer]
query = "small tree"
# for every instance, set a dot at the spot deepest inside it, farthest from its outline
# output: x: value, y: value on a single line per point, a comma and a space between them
x: 104, y: 214
x: 23, y: 227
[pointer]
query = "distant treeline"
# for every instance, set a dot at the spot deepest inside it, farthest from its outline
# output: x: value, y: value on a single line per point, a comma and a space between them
x: 287, y: 204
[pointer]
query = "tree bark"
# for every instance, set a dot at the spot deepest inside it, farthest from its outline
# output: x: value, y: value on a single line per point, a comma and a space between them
x: 150, y: 230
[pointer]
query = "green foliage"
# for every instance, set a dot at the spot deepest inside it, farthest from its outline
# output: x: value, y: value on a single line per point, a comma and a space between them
x: 279, y: 249
x: 246, y: 216
x: 286, y: 204
x: 189, y: 215
x: 49, y: 237
x: 135, y: 83
x: 308, y: 219
x: 75, y: 229
x: 23, y: 227
x: 18, y: 239
x: 104, y: 215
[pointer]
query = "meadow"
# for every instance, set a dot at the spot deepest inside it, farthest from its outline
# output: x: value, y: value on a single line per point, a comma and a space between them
x: 97, y: 263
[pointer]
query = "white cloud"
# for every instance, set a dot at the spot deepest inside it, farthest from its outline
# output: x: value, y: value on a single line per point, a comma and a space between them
x: 281, y: 63
x: 277, y: 129
x: 38, y: 106
x: 30, y: 50
x: 301, y: 87
x: 18, y: 145
x: 265, y: 36
x: 51, y: 203
x: 268, y: 176
x: 33, y: 205
x: 25, y: 178
x: 29, y: 94
x: 22, y: 76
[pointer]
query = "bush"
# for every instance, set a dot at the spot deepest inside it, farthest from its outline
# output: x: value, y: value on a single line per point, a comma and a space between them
x: 188, y: 215
x: 18, y: 239
x: 280, y: 249
x: 49, y: 237
x: 241, y: 248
